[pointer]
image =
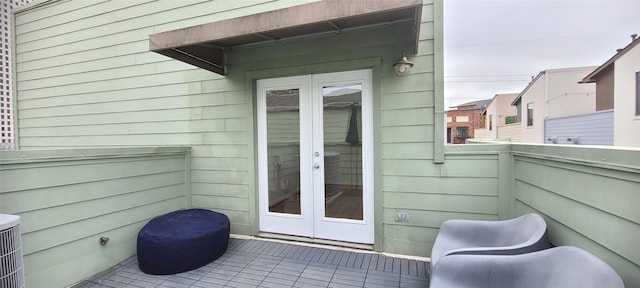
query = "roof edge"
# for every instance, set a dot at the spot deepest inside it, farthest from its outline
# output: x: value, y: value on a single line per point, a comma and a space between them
x: 591, y: 78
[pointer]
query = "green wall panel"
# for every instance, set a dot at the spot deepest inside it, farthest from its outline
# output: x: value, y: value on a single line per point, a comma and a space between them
x: 67, y: 199
x: 587, y: 196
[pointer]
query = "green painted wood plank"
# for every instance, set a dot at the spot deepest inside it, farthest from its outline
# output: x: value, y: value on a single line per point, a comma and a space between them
x: 220, y: 163
x: 59, y: 235
x: 404, y: 134
x: 82, y: 67
x: 178, y: 89
x: 76, y: 77
x: 85, y: 256
x: 470, y: 167
x: 97, y: 43
x: 412, y: 82
x: 615, y: 196
x: 438, y: 185
x: 30, y: 13
x: 160, y: 116
x: 219, y: 177
x: 67, y: 173
x: 218, y: 150
x: 561, y: 234
x: 126, y: 83
x: 430, y: 219
x: 400, y: 245
x: 405, y: 100
x: 409, y: 167
x: 158, y: 127
x: 411, y: 234
x: 407, y: 117
x: 606, y: 229
x: 447, y: 203
x: 407, y: 150
x: 82, y: 56
x: 65, y: 13
x: 220, y: 202
x: 120, y: 140
x: 220, y: 189
x: 46, y: 218
x: 133, y: 105
x: 51, y: 196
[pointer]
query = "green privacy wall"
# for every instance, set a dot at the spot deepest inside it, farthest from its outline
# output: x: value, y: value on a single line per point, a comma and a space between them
x: 589, y: 198
x: 68, y: 199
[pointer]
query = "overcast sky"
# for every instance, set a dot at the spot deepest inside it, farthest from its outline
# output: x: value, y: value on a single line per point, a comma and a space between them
x: 495, y: 46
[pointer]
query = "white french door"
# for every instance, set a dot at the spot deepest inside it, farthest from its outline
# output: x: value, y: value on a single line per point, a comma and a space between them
x: 315, y: 153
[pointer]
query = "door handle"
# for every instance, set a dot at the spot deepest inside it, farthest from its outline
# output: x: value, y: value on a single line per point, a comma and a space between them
x: 316, y: 166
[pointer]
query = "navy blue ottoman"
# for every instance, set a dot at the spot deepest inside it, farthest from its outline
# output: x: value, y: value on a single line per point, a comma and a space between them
x: 182, y: 240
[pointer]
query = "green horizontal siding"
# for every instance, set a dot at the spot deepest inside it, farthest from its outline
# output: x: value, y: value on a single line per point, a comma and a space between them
x: 587, y: 196
x: 68, y: 199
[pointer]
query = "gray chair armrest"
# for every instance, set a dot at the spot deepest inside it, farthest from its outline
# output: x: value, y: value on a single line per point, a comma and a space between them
x: 565, y: 267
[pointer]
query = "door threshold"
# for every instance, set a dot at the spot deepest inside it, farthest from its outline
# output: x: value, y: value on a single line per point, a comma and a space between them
x: 324, y: 243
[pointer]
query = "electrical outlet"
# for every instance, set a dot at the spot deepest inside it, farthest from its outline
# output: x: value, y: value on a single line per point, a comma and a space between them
x: 402, y: 217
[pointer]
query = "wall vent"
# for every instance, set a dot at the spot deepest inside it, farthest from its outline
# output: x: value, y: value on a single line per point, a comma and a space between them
x: 11, y: 265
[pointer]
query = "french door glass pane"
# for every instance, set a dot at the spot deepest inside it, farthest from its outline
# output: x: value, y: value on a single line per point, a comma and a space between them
x: 283, y: 150
x: 342, y: 125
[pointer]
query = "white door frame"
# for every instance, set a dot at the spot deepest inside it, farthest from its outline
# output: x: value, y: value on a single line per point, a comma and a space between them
x: 312, y: 221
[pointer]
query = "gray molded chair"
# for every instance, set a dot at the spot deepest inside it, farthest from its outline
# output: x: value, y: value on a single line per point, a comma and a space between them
x: 527, y: 233
x: 564, y: 266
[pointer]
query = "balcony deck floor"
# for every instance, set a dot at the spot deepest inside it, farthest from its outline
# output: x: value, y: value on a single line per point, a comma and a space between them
x: 259, y: 263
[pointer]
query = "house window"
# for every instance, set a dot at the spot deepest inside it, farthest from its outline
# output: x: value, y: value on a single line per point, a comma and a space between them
x: 462, y: 132
x: 638, y: 93
x: 530, y: 114
x: 490, y: 122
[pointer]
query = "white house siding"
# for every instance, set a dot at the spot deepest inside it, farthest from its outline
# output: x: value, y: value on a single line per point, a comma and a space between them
x: 534, y: 94
x: 565, y: 97
x: 511, y: 132
x: 589, y: 129
x: 627, y: 124
x: 498, y: 110
x: 556, y: 93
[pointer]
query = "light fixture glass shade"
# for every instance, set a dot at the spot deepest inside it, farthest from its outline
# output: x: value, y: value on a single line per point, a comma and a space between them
x: 402, y: 67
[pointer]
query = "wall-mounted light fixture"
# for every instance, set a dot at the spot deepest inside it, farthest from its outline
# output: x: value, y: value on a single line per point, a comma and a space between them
x: 402, y: 67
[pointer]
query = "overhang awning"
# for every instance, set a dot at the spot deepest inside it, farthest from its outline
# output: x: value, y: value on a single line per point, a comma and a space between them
x: 205, y: 45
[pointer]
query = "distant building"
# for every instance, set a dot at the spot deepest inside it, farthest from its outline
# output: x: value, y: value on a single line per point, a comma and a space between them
x: 553, y: 93
x: 618, y: 88
x: 500, y: 119
x: 7, y: 130
x: 463, y: 120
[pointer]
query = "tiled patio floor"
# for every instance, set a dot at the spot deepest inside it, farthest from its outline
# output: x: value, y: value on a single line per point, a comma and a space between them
x: 259, y: 263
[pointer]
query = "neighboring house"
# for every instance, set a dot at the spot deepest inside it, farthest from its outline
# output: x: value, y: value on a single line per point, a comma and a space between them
x: 551, y: 94
x: 462, y: 122
x: 500, y: 119
x: 618, y: 89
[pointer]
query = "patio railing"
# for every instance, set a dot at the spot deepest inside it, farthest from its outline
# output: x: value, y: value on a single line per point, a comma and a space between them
x: 68, y: 199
